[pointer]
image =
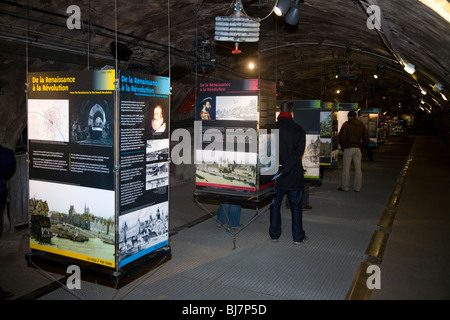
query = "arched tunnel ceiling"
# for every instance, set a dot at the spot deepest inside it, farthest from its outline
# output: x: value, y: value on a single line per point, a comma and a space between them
x: 332, y: 37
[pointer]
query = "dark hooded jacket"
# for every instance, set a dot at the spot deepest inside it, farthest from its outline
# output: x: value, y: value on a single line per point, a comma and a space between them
x: 292, y: 146
x: 353, y: 134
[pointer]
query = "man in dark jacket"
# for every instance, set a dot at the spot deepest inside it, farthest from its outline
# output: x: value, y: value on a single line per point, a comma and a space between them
x: 352, y: 138
x: 7, y: 161
x: 291, y: 148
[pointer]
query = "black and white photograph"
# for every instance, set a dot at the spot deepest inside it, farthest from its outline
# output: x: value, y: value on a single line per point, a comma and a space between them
x: 157, y: 150
x: 157, y: 175
x: 142, y: 229
x: 311, y: 157
x: 237, y: 108
x: 92, y: 121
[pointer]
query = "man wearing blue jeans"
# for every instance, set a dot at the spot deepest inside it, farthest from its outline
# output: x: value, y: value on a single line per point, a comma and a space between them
x: 291, y: 148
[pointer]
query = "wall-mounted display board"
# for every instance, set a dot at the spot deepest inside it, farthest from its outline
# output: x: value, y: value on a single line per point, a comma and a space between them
x: 328, y: 134
x: 370, y: 119
x: 234, y: 145
x: 98, y: 165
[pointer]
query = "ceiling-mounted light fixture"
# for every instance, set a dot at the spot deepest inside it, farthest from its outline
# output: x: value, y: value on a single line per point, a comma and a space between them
x: 282, y: 7
x: 410, y: 68
x: 293, y: 15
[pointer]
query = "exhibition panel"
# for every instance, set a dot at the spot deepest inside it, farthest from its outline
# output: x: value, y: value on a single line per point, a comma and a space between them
x: 98, y: 165
x: 235, y: 150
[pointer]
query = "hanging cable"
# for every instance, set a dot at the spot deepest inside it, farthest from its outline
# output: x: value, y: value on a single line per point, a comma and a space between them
x: 89, y: 33
x: 170, y: 92
x: 27, y: 85
x: 115, y: 33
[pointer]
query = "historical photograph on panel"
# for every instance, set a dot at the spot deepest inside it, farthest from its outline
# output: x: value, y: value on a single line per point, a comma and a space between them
x: 142, y: 229
x: 92, y: 122
x: 73, y: 219
x: 48, y: 120
x: 326, y: 124
x: 325, y: 147
x: 311, y: 157
x: 237, y: 108
x: 157, y: 175
x: 157, y: 123
x: 222, y: 168
x: 206, y: 109
x: 157, y: 150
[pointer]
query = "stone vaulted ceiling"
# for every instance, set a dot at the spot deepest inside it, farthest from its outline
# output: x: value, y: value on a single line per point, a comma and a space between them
x: 331, y: 38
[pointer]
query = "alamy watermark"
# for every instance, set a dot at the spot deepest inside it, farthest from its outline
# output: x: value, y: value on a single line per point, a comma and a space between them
x: 374, y: 280
x: 73, y: 281
x: 229, y: 145
x: 74, y: 20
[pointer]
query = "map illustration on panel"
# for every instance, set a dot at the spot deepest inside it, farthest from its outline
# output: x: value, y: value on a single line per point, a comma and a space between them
x: 48, y: 120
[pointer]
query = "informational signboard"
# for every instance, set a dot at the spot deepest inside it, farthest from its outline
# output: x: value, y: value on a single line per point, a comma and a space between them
x: 94, y: 176
x: 328, y: 134
x: 71, y: 153
x: 144, y: 166
x: 370, y: 119
x: 307, y: 114
x: 231, y: 117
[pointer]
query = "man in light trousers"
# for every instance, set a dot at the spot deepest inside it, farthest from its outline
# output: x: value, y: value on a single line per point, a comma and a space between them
x: 353, y: 137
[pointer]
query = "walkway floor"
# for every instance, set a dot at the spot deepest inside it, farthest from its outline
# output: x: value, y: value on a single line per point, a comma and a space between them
x: 398, y: 222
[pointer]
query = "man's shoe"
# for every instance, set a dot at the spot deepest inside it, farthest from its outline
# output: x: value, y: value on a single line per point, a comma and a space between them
x: 308, y: 207
x: 356, y: 190
x: 297, y: 243
x: 340, y: 189
x: 274, y: 240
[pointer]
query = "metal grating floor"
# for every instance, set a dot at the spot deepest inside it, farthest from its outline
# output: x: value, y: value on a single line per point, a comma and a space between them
x: 205, y: 266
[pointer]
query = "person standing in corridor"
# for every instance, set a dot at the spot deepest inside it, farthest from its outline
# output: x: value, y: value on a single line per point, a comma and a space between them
x: 292, y: 141
x: 353, y: 137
